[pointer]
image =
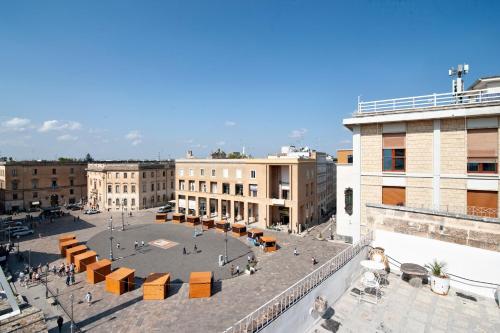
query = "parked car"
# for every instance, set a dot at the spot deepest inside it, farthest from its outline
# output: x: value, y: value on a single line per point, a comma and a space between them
x: 73, y: 207
x: 165, y: 209
x: 91, y: 211
x: 23, y: 233
x: 13, y: 230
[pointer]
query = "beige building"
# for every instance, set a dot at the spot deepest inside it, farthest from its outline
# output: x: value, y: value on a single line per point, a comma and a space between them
x: 130, y: 186
x: 31, y: 184
x: 278, y: 191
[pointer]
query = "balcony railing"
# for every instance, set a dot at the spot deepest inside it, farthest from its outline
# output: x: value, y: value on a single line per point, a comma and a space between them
x: 270, y: 311
x: 469, y: 97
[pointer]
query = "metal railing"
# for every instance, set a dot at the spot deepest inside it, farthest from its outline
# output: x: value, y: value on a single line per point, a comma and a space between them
x: 271, y: 310
x: 469, y: 97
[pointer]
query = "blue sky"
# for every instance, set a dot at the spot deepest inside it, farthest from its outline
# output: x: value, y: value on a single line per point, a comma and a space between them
x: 131, y: 79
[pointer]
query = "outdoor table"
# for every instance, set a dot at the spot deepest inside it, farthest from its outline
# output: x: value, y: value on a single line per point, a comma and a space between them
x: 120, y: 281
x: 415, y: 273
x: 372, y: 265
x: 207, y: 224
x: 239, y: 229
x: 155, y: 287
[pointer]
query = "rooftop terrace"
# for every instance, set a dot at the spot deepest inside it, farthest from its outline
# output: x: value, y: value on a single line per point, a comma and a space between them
x: 468, y: 98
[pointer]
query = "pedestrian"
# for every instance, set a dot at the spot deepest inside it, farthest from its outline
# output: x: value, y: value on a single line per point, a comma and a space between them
x: 295, y: 252
x: 184, y: 250
x: 232, y: 269
x: 237, y: 270
x: 313, y: 260
x: 118, y: 246
x: 249, y: 259
x: 195, y: 248
x: 142, y: 243
x: 74, y: 218
x: 136, y: 245
x: 88, y: 298
x: 72, y: 278
x: 60, y: 321
x: 67, y: 279
x: 72, y: 268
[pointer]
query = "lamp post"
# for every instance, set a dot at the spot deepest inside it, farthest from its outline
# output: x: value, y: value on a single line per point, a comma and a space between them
x: 46, y: 282
x: 123, y: 222
x: 225, y: 242
x: 111, y: 238
x: 72, y: 327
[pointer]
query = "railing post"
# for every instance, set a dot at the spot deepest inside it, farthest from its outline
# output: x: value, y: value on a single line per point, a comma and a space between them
x: 435, y: 99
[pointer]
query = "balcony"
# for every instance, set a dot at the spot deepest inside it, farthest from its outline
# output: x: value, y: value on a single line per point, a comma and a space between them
x: 434, y: 101
x: 278, y: 202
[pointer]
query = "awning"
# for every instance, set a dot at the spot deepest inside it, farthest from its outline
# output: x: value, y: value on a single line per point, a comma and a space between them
x: 35, y: 203
x: 182, y: 203
x: 191, y: 204
x: 172, y: 201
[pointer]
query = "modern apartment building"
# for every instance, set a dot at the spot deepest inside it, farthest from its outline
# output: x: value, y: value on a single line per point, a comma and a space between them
x: 26, y: 185
x: 130, y: 186
x: 425, y: 178
x: 279, y: 191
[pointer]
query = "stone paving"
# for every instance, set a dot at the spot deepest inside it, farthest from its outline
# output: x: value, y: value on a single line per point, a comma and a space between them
x: 404, y: 308
x: 233, y: 299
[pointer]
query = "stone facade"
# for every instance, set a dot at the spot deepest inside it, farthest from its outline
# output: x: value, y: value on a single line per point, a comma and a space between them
x: 30, y: 184
x: 465, y: 230
x: 130, y: 185
x: 419, y: 136
x: 453, y: 146
x: 371, y: 148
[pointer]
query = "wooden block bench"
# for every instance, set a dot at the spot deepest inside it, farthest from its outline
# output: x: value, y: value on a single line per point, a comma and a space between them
x: 66, y: 245
x: 208, y: 224
x: 161, y: 218
x: 97, y: 271
x: 155, y: 287
x: 178, y: 218
x: 73, y: 251
x: 269, y: 243
x: 66, y: 237
x: 239, y: 230
x: 192, y: 220
x: 84, y: 259
x: 200, y: 284
x: 120, y: 281
x: 221, y: 226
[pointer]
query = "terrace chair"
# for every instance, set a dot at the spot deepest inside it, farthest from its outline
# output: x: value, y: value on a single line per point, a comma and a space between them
x: 371, y: 288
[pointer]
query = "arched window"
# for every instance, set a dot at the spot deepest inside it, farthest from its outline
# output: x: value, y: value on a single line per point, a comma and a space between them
x: 348, y: 200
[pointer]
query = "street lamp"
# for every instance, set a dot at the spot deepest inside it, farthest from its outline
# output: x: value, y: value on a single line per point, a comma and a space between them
x: 111, y: 238
x: 226, y: 225
x: 123, y: 223
x: 72, y: 327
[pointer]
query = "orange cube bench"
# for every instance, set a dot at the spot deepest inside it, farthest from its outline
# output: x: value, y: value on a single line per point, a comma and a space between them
x: 155, y: 287
x: 73, y: 251
x: 97, y: 271
x: 84, y: 259
x: 120, y: 281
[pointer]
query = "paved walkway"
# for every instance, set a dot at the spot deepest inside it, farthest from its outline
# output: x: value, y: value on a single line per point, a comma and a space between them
x: 404, y: 308
x: 233, y: 299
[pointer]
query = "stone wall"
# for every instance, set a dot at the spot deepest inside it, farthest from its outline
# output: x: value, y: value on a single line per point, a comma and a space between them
x: 483, y: 233
x: 419, y: 138
x: 453, y: 146
x: 371, y: 148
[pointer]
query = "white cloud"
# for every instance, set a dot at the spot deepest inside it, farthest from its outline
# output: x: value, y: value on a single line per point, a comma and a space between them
x: 229, y: 123
x: 67, y: 137
x: 135, y: 137
x: 221, y: 143
x: 345, y: 142
x: 16, y: 124
x: 59, y: 125
x: 298, y: 133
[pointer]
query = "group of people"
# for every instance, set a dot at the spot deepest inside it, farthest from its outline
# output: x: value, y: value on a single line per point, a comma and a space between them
x: 65, y: 270
x: 31, y: 275
x: 195, y: 249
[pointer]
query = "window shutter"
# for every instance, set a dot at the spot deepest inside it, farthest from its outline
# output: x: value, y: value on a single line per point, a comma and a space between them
x: 393, y: 195
x: 482, y: 143
x: 394, y: 140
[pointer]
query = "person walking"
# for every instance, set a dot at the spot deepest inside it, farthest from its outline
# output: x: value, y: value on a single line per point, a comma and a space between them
x: 88, y: 298
x: 295, y: 252
x: 195, y: 248
x: 249, y: 259
x: 60, y: 321
x: 313, y: 260
x: 136, y: 245
x: 142, y: 243
x: 184, y: 250
x: 67, y: 279
x: 72, y: 277
x: 232, y: 270
x: 118, y: 246
x: 237, y: 270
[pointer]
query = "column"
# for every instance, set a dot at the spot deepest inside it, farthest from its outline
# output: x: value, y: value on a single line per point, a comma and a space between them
x: 231, y: 210
x: 196, y: 206
x: 245, y: 212
x: 219, y: 208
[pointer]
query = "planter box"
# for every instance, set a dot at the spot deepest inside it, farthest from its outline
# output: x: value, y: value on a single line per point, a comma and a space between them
x: 440, y: 285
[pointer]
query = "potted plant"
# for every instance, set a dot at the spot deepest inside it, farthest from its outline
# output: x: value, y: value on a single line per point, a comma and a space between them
x: 440, y: 282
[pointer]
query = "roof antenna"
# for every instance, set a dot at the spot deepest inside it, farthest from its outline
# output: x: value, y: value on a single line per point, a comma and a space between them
x: 458, y: 84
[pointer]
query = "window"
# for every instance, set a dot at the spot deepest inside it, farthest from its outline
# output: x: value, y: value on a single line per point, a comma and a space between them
x: 253, y: 174
x: 152, y: 186
x: 132, y: 175
x: 14, y: 196
x: 392, y: 195
x: 35, y: 194
x: 132, y: 202
x: 163, y: 173
x: 307, y: 189
x: 225, y: 173
x: 144, y: 202
x: 181, y: 185
x: 157, y: 198
x: 125, y: 189
x: 482, y: 150
x: 191, y: 172
x: 213, y: 172
x: 191, y: 185
x: 203, y: 187
x: 213, y: 187
x: 152, y: 173
x: 117, y: 175
x: 72, y: 170
x: 71, y: 182
x: 109, y: 188
x: 225, y: 188
x: 124, y: 175
x: 171, y: 185
x: 349, y: 160
x: 164, y: 185
x: 132, y: 189
x: 171, y: 173
x: 117, y: 188
x: 34, y: 184
x: 14, y: 172
x: 253, y: 190
x: 144, y: 188
x: 109, y: 202
x: 125, y: 202
x: 238, y: 189
x: 35, y: 171
x: 202, y: 172
x: 238, y: 173
x: 181, y: 172
x: 117, y: 202
x: 482, y: 203
x: 393, y: 153
x: 54, y: 183
x: 143, y: 175
x: 71, y: 191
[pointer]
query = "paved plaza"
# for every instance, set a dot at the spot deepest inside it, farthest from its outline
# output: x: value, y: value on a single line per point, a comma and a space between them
x: 404, y: 308
x: 233, y: 298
